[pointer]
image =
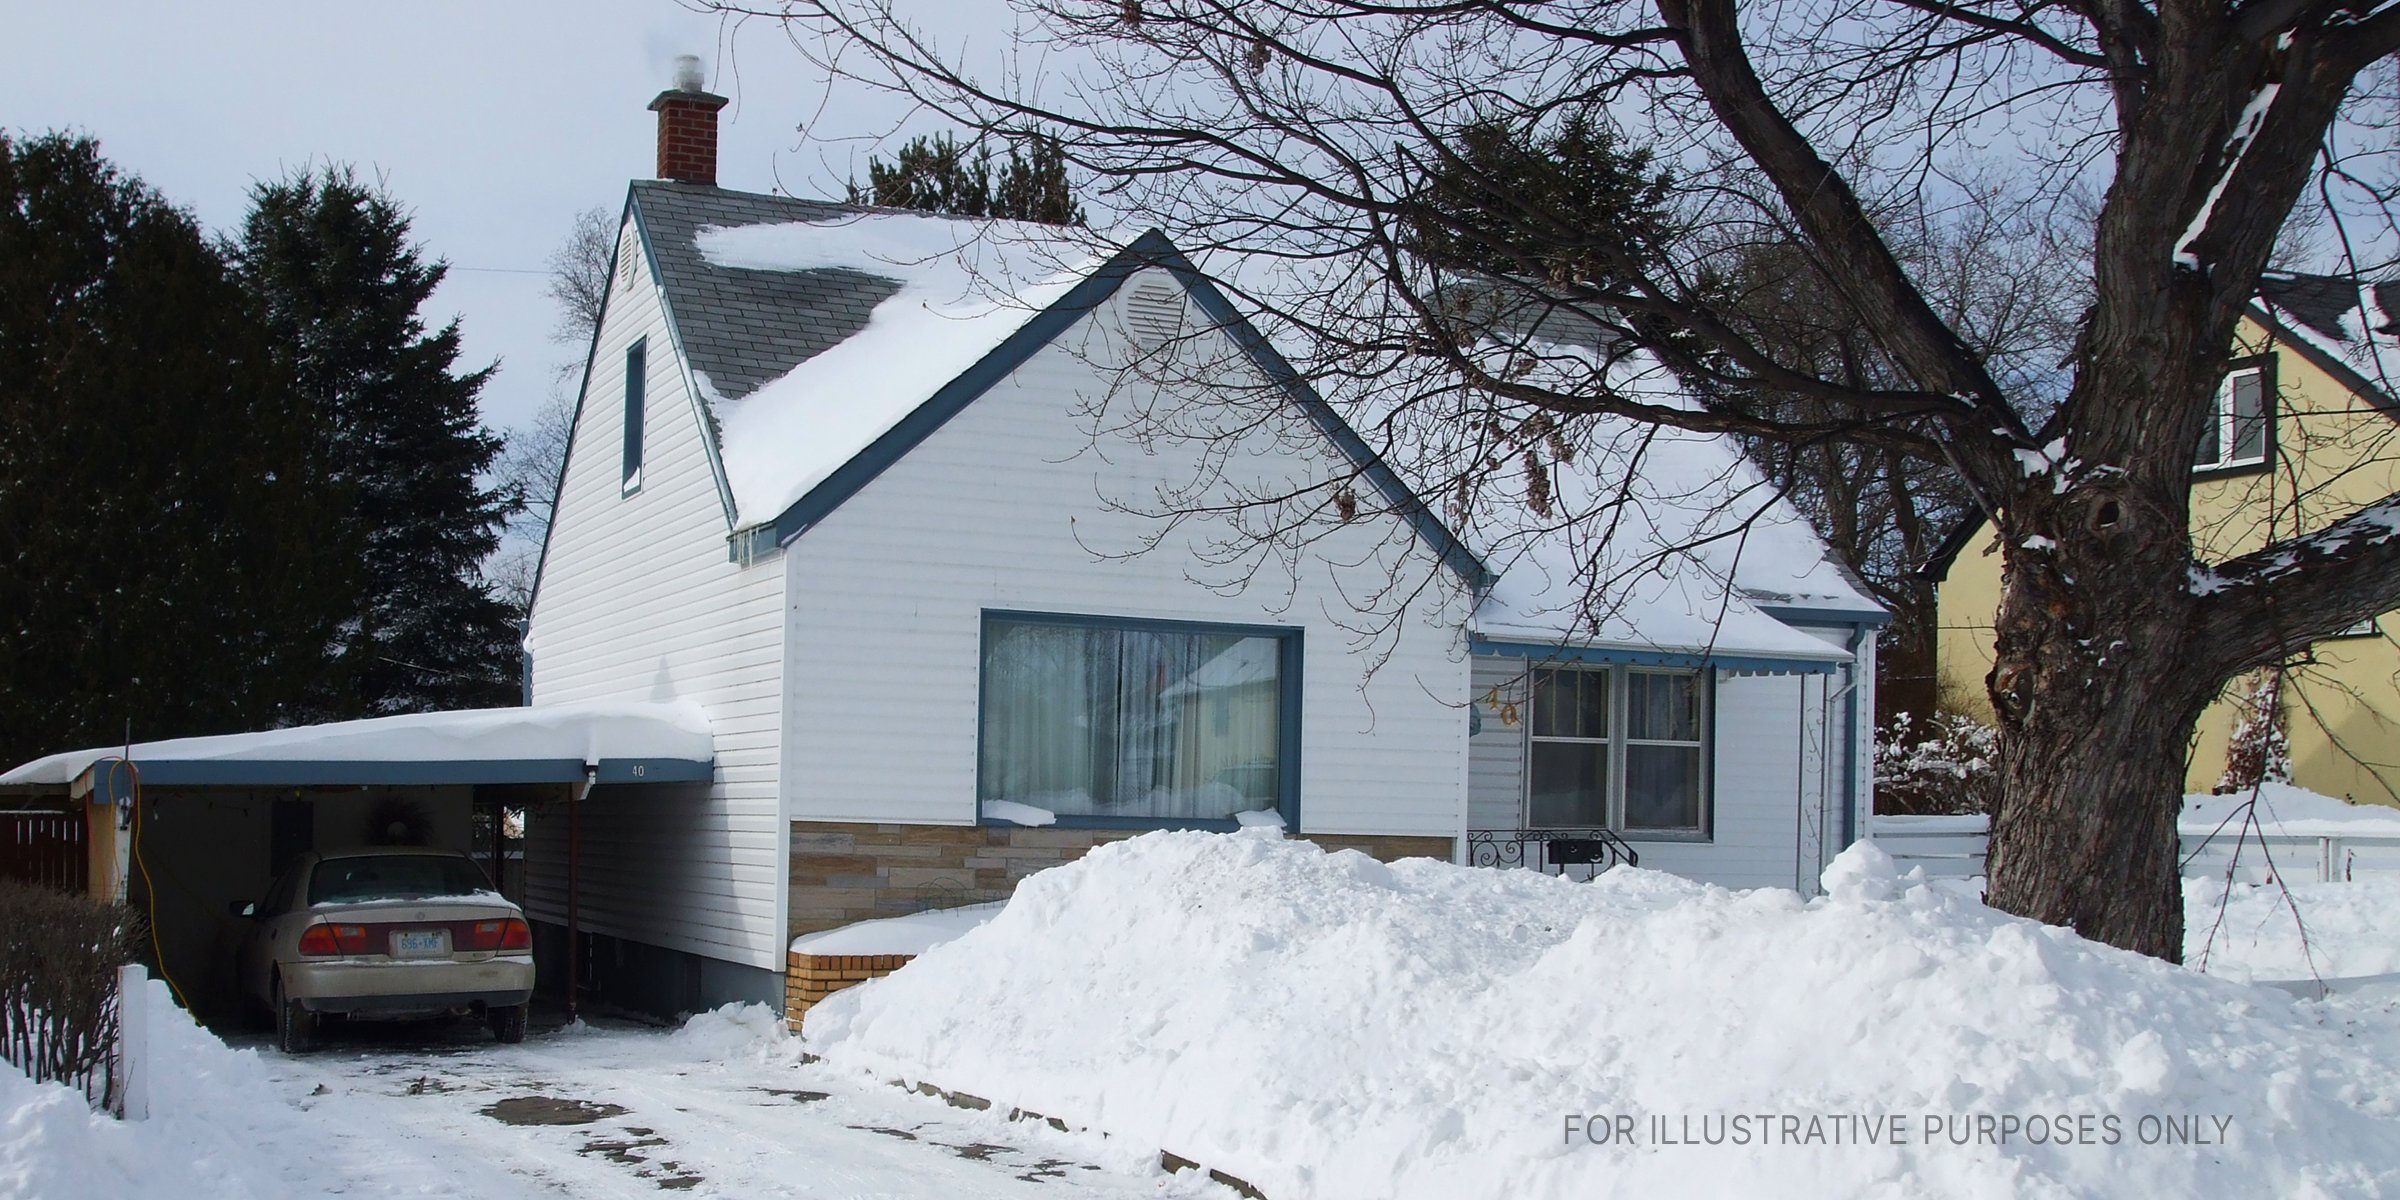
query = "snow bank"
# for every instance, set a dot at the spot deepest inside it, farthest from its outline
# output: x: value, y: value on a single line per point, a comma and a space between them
x: 912, y: 934
x: 218, y: 1127
x: 1324, y: 1025
x: 2329, y: 931
x: 2287, y: 811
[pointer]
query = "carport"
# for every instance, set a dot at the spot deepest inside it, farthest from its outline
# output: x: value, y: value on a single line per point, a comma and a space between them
x: 188, y: 830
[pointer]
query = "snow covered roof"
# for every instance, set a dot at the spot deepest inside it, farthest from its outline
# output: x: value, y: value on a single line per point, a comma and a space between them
x: 1687, y: 552
x: 813, y: 329
x: 817, y: 332
x: 551, y: 743
x: 2347, y: 323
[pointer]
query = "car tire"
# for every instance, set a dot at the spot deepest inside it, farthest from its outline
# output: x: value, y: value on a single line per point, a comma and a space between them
x: 295, y: 1027
x: 508, y: 1024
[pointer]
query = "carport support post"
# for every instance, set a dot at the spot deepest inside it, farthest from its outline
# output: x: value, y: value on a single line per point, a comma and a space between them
x: 575, y: 794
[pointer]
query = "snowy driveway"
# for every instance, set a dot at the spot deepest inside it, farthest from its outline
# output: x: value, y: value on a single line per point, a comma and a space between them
x: 623, y: 1111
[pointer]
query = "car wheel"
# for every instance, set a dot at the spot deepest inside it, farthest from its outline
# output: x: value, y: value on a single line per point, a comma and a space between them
x: 508, y: 1024
x: 295, y: 1027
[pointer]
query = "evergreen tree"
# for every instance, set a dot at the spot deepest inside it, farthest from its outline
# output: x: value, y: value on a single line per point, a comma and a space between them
x: 163, y: 553
x: 937, y: 174
x: 329, y: 260
x: 1570, y: 205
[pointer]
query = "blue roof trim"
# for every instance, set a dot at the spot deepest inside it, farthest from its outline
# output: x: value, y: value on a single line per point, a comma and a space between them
x: 1395, y: 491
x: 1152, y: 249
x: 1637, y: 656
x: 356, y: 772
x: 1804, y: 614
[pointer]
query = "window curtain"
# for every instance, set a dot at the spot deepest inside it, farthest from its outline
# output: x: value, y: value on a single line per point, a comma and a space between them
x: 1090, y: 721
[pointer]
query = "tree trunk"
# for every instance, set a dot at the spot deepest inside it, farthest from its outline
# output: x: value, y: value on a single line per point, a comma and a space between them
x: 2097, y: 686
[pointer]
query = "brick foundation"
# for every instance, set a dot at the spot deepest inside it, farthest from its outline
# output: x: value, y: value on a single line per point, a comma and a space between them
x: 809, y: 978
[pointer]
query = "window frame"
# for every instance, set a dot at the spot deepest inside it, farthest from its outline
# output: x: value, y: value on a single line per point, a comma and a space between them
x: 1619, y: 741
x: 1289, y: 647
x: 636, y: 413
x: 2221, y: 411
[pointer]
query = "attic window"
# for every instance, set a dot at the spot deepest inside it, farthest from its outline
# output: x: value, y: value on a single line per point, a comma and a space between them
x: 637, y: 383
x: 1154, y: 311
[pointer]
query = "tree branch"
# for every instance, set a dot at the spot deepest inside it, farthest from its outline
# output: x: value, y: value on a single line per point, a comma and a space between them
x: 2272, y: 603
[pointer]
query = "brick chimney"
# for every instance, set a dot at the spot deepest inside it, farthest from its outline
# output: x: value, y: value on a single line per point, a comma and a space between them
x: 687, y: 127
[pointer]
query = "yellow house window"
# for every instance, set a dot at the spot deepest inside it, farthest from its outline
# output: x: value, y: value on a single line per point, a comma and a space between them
x: 2236, y: 434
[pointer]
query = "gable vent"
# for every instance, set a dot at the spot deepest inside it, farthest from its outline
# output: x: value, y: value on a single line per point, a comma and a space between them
x: 627, y: 248
x: 1154, y: 311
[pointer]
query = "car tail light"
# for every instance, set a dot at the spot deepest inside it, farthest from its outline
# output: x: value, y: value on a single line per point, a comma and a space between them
x: 325, y: 939
x: 509, y: 934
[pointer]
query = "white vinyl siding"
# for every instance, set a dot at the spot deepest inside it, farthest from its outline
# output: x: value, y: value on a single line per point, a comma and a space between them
x: 1010, y: 506
x: 638, y: 602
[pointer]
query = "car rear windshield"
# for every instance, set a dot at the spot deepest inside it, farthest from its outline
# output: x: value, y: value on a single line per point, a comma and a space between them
x: 394, y: 877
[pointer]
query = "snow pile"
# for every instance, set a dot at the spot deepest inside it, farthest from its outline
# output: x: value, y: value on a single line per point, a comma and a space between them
x: 732, y: 1031
x: 218, y: 1127
x: 1325, y: 1025
x: 2329, y: 931
x: 2285, y: 810
x: 913, y: 934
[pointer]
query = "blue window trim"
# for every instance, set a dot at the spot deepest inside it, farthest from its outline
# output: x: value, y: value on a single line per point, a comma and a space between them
x: 1287, y: 715
x: 637, y: 398
x: 1613, y: 802
x: 1554, y: 654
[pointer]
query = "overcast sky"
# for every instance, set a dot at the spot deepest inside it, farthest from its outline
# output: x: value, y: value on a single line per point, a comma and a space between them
x: 495, y: 123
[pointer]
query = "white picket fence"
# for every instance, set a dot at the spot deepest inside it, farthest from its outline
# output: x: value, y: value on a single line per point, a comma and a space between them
x: 1955, y: 848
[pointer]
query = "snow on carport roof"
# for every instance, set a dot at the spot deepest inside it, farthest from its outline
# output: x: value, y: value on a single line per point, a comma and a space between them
x: 551, y: 743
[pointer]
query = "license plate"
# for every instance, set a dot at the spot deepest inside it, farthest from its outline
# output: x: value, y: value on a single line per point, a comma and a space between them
x: 420, y: 941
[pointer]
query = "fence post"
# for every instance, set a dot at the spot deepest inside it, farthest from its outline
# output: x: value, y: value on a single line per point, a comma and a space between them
x: 133, y: 1042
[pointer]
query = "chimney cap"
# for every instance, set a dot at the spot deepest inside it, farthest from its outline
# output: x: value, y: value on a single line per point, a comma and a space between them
x: 687, y: 74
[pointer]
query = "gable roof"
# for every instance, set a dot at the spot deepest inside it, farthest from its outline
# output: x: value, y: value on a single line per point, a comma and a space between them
x: 902, y: 319
x: 2341, y: 324
x: 897, y: 320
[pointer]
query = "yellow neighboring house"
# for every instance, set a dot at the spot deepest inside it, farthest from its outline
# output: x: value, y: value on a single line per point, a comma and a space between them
x: 2307, y: 431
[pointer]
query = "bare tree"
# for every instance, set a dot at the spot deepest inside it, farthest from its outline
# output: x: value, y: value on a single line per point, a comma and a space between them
x: 537, y: 452
x: 579, y: 276
x: 1301, y: 131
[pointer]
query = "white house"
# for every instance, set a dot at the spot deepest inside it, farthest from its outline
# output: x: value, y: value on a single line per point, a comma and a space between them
x: 877, y: 580
x: 877, y: 492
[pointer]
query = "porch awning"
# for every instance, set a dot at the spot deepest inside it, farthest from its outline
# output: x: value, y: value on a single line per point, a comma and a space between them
x: 606, y: 741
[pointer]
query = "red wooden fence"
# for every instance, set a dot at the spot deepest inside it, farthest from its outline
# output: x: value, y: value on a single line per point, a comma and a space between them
x: 44, y: 848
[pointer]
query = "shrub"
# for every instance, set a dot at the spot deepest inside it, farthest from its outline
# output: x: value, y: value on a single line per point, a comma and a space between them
x: 59, y: 955
x: 1942, y: 764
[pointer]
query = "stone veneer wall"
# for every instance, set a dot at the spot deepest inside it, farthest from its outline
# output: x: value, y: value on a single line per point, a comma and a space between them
x: 844, y: 872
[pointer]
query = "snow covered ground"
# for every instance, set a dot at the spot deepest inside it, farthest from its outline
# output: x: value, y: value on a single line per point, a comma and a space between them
x: 719, y: 1108
x: 1328, y: 1026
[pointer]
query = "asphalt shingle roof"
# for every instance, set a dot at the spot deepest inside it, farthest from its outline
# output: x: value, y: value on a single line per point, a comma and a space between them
x: 2320, y: 302
x: 743, y: 327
